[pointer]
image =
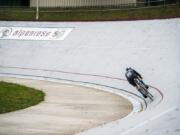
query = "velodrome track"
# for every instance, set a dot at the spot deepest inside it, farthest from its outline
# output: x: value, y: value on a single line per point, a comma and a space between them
x: 67, y: 109
x: 100, y: 52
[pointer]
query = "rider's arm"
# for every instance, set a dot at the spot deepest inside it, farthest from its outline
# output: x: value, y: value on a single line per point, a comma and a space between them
x: 138, y: 74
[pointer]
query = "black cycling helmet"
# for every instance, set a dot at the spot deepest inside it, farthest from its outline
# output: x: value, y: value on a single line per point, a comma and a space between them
x: 128, y: 68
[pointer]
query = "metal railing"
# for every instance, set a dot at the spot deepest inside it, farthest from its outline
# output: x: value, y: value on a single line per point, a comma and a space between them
x: 69, y: 4
x: 98, y: 3
x: 81, y: 3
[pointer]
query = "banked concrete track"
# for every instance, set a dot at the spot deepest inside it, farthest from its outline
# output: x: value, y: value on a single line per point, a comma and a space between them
x: 67, y: 109
x: 106, y: 49
x: 66, y: 105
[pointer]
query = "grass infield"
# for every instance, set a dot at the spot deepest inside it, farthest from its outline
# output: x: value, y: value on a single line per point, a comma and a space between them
x: 15, y: 97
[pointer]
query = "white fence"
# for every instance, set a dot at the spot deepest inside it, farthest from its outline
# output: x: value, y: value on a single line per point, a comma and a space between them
x: 82, y: 3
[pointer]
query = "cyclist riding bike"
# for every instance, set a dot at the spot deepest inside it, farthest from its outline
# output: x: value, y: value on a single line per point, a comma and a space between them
x: 131, y: 75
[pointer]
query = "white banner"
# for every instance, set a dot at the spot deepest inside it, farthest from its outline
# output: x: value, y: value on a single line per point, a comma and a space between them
x: 31, y: 33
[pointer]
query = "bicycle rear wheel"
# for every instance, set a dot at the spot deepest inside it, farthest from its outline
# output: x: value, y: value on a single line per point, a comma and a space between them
x: 150, y: 96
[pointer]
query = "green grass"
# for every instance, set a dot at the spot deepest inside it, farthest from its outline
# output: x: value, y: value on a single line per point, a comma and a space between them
x: 133, y: 14
x: 17, y: 14
x: 85, y: 15
x: 15, y: 97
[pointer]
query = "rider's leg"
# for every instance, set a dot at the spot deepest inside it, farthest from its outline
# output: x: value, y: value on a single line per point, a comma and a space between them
x: 147, y: 87
x: 144, y: 96
x: 140, y: 92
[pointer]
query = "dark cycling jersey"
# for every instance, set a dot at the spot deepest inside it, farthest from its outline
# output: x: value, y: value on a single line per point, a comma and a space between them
x: 131, y: 74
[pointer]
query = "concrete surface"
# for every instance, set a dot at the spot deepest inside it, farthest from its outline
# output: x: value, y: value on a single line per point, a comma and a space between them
x: 67, y: 109
x: 107, y: 48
